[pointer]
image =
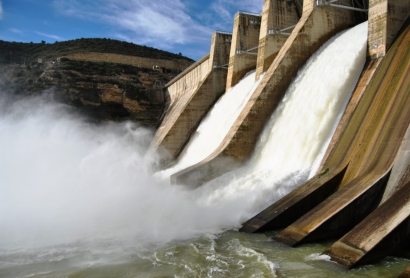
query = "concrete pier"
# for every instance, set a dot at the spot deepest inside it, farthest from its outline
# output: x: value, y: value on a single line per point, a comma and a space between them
x: 288, y: 209
x: 380, y: 135
x: 384, y: 232
x: 314, y: 28
x: 244, y: 47
x: 349, y: 206
x: 387, y: 229
x: 278, y: 21
x: 385, y: 19
x: 192, y: 95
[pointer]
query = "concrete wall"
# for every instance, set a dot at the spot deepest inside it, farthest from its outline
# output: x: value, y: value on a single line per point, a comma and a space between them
x: 387, y: 228
x: 177, y: 92
x: 341, y: 146
x: 188, y: 81
x: 244, y: 47
x: 276, y: 15
x: 385, y: 19
x: 191, y: 96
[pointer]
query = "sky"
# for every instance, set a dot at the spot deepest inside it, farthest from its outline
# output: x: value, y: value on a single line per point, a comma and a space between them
x: 177, y: 26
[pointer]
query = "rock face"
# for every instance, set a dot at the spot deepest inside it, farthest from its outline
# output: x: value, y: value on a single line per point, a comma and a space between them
x: 103, y: 86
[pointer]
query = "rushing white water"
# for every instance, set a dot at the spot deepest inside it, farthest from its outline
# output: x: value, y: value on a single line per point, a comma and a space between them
x: 68, y: 183
x: 299, y: 131
x: 216, y: 124
x: 296, y: 137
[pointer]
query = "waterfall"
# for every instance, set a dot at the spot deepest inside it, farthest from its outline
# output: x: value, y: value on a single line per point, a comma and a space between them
x: 216, y: 124
x: 296, y: 137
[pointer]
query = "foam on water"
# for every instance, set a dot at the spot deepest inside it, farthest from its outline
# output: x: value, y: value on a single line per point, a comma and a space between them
x: 318, y: 257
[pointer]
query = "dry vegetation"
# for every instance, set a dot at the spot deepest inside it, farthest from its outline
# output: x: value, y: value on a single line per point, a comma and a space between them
x: 28, y: 53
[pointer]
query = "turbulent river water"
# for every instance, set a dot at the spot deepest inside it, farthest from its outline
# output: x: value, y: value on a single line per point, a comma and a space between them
x: 80, y: 200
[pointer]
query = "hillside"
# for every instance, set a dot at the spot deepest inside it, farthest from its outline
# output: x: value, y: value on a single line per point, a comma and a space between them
x: 20, y: 53
x: 105, y: 79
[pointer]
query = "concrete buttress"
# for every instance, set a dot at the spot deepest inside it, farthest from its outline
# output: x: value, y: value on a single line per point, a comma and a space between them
x: 244, y: 47
x: 278, y: 21
x: 387, y: 229
x: 192, y: 95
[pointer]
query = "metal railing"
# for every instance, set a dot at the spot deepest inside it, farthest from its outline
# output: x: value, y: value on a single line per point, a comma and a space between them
x: 248, y: 13
x: 321, y: 3
x: 281, y: 31
x: 248, y: 51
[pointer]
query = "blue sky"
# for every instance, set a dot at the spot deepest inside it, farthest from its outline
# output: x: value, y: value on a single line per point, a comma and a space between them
x: 184, y: 26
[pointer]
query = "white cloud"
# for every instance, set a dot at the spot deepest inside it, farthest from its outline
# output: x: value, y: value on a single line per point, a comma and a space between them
x: 226, y: 9
x: 152, y: 24
x: 221, y: 8
x: 51, y: 36
x: 16, y: 31
x: 223, y: 11
x: 1, y: 10
x: 75, y: 8
x: 169, y: 25
x: 254, y: 6
x: 160, y: 22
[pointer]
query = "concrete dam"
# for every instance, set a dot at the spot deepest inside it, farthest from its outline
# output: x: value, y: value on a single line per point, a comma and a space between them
x: 358, y: 195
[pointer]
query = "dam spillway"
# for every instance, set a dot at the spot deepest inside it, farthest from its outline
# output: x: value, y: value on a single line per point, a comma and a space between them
x: 216, y: 123
x: 243, y: 135
x: 79, y: 200
x: 348, y: 160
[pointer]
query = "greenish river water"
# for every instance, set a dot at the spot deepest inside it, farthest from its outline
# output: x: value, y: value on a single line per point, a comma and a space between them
x: 230, y: 254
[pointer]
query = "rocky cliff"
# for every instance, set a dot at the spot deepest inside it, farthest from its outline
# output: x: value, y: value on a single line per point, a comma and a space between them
x: 104, y: 79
